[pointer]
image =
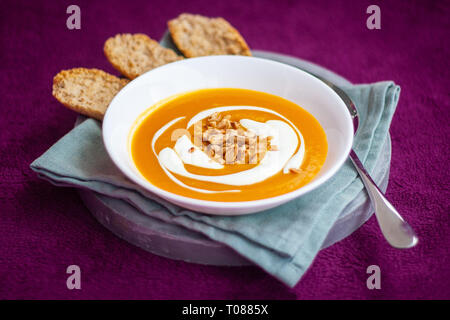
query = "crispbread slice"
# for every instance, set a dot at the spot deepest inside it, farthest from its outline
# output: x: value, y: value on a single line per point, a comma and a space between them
x: 87, y: 91
x: 196, y: 35
x: 134, y: 54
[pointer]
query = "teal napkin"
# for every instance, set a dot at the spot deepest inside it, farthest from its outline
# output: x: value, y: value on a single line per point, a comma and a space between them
x: 283, y: 240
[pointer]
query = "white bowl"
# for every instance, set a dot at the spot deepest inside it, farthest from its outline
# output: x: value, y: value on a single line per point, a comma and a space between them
x: 228, y: 72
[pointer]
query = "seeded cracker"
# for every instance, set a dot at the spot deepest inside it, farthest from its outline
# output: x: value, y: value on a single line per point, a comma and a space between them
x: 87, y: 91
x: 135, y: 54
x: 196, y: 35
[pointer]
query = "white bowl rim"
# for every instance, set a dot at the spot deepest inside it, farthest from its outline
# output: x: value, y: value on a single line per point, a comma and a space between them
x: 280, y: 199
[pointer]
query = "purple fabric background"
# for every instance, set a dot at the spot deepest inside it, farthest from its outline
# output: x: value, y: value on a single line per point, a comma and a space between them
x: 43, y: 229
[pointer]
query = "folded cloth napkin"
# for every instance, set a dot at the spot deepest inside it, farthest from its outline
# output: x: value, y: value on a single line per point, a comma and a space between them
x: 284, y: 240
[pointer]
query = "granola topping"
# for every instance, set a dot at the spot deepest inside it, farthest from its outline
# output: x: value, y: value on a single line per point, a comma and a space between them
x: 227, y: 141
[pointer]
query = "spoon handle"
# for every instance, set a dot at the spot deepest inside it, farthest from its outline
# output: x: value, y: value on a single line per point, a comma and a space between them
x: 397, y: 231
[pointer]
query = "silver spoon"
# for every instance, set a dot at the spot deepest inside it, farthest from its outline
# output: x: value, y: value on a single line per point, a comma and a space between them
x: 395, y: 229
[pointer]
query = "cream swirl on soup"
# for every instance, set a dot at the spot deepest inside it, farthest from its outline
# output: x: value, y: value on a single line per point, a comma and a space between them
x: 228, y: 145
x: 289, y: 154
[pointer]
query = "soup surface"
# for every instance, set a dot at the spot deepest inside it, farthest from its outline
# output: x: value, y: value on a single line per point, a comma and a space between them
x: 228, y: 145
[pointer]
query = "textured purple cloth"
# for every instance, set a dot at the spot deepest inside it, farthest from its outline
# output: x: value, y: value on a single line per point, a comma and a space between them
x: 43, y: 229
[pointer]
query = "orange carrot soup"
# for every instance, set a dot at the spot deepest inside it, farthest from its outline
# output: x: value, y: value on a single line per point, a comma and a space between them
x: 228, y: 145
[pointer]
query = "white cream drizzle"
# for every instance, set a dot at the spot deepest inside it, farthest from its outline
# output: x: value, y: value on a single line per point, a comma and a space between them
x: 197, y: 157
x: 284, y: 135
x: 171, y: 176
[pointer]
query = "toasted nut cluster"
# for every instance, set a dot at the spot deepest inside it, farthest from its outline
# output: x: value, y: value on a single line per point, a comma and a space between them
x: 226, y: 141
